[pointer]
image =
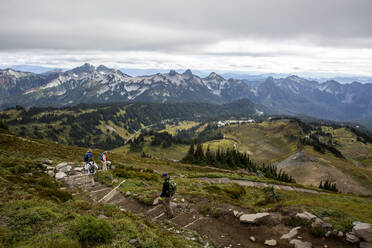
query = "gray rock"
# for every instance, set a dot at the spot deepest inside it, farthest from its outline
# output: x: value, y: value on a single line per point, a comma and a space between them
x: 340, y: 234
x: 350, y: 237
x: 328, y: 234
x: 156, y: 201
x: 48, y: 161
x: 300, y: 244
x: 253, y: 239
x: 61, y: 165
x: 252, y: 218
x: 291, y: 233
x: 365, y: 245
x: 133, y: 241
x: 103, y: 217
x: 78, y: 169
x: 50, y: 168
x: 363, y: 231
x: 271, y: 242
x: 127, y: 193
x: 44, y: 166
x: 306, y: 215
x: 60, y: 175
x: 51, y: 173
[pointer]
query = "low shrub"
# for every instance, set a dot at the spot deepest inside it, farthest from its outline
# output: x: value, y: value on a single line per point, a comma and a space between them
x: 61, y: 243
x: 90, y: 230
x: 234, y: 191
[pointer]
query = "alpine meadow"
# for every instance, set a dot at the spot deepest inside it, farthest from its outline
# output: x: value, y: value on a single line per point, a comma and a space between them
x: 211, y: 124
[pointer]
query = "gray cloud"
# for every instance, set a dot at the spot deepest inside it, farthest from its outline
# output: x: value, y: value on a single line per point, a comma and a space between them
x: 172, y: 26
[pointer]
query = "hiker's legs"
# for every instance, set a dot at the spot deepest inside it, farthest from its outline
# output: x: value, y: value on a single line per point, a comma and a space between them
x: 167, y: 209
x: 92, y: 176
x: 104, y: 166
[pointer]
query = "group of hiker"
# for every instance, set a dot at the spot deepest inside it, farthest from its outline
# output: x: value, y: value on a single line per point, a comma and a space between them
x: 91, y: 167
x: 169, y: 186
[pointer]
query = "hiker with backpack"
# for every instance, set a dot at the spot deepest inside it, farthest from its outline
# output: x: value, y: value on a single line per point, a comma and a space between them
x: 92, y: 169
x: 169, y: 189
x: 105, y: 163
x: 87, y: 156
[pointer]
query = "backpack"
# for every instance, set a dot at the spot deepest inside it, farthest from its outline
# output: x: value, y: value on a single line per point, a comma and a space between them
x: 92, y: 168
x: 101, y: 157
x: 172, y: 187
x: 87, y: 156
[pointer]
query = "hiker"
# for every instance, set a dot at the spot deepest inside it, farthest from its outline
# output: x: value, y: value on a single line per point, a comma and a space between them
x: 87, y: 156
x: 105, y: 164
x: 92, y: 169
x: 169, y: 188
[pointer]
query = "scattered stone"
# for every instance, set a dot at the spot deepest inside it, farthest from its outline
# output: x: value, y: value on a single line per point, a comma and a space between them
x: 363, y: 231
x: 48, y: 161
x: 51, y: 173
x: 328, y: 234
x: 320, y: 223
x: 340, y: 234
x: 101, y: 216
x: 365, y: 245
x: 50, y: 168
x: 115, y: 180
x: 271, y: 242
x: 156, y: 201
x: 291, y: 233
x: 252, y: 218
x: 60, y: 175
x: 300, y: 244
x: 133, y: 241
x: 350, y: 237
x: 183, y: 200
x: 61, y: 165
x: 128, y: 193
x: 306, y: 215
x: 44, y: 166
x: 253, y: 239
x: 78, y: 169
x: 325, y: 246
x: 173, y: 205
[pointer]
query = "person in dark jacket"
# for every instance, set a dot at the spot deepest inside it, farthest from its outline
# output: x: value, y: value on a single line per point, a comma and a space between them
x: 166, y: 196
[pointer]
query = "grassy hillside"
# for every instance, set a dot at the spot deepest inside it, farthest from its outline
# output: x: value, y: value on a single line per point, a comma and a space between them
x: 108, y: 126
x: 36, y: 213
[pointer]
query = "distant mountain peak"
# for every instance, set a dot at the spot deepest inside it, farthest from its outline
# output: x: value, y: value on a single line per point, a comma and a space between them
x: 172, y: 73
x: 87, y: 68
x: 188, y: 72
x: 103, y: 68
x: 214, y: 75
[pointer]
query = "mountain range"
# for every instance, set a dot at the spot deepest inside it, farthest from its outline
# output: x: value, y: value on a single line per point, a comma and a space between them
x: 90, y: 84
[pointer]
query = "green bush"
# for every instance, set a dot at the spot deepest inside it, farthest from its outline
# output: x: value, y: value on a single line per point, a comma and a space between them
x: 61, y: 243
x: 90, y: 230
x: 234, y: 191
x: 6, y: 236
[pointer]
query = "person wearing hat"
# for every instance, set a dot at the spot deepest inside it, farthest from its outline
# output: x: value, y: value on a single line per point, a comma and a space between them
x: 87, y: 156
x: 166, y: 195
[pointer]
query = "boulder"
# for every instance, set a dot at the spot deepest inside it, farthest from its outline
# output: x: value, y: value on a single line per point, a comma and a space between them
x: 60, y: 175
x: 50, y: 168
x: 306, y: 215
x: 78, y: 169
x: 48, y: 161
x: 62, y: 167
x: 350, y: 237
x: 51, y: 173
x: 103, y: 217
x: 252, y: 218
x: 365, y: 245
x: 300, y: 244
x: 291, y: 233
x: 271, y: 242
x: 363, y: 231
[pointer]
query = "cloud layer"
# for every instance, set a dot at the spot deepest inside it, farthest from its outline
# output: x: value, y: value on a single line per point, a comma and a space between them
x: 333, y: 35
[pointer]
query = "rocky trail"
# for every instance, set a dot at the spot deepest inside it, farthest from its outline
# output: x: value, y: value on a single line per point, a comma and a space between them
x: 233, y: 227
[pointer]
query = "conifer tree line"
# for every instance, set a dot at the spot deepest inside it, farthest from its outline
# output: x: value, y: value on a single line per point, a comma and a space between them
x: 232, y: 159
x: 328, y: 185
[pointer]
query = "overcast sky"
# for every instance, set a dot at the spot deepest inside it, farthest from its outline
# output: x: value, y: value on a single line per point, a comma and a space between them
x: 281, y: 36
